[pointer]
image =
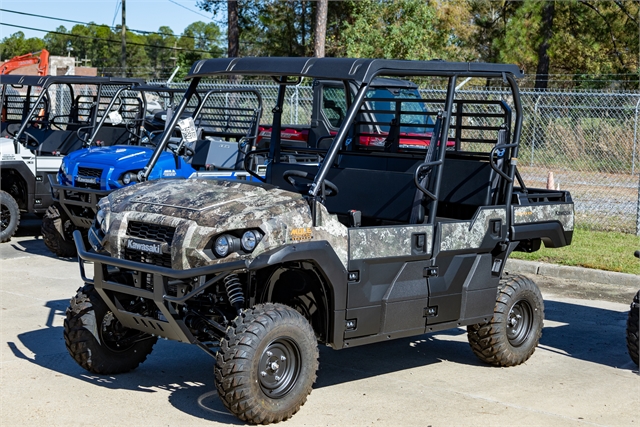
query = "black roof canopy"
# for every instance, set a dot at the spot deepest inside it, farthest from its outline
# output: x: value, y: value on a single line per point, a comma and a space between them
x: 346, y: 68
x: 44, y: 81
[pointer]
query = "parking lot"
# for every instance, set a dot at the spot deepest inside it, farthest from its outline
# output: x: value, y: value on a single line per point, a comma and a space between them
x: 580, y: 374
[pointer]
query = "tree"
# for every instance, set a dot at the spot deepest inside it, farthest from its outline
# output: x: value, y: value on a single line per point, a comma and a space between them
x: 16, y: 44
x: 241, y: 16
x: 160, y: 50
x: 402, y: 29
x: 282, y: 29
x: 200, y: 41
x: 320, y: 28
x: 542, y: 70
x: 582, y: 38
x: 137, y: 59
x: 56, y: 42
x: 265, y: 27
x: 233, y: 32
x: 489, y: 22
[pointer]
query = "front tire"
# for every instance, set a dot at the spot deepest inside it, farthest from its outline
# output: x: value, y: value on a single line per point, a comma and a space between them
x: 9, y: 216
x: 54, y: 221
x: 512, y: 334
x: 267, y: 364
x: 632, y: 328
x: 97, y: 341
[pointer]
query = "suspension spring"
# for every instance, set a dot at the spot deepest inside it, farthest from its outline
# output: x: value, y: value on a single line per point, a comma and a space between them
x: 234, y: 290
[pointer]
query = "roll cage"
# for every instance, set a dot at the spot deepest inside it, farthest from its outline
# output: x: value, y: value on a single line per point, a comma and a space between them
x: 499, y: 163
x: 35, y: 107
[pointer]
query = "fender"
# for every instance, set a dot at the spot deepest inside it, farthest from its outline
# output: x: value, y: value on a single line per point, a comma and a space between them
x: 26, y: 174
x: 551, y: 233
x: 323, y: 255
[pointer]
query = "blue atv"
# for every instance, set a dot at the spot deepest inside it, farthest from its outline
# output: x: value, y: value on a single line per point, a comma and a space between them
x: 214, y: 132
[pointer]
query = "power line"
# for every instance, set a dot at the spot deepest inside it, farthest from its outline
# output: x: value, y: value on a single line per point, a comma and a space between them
x: 98, y: 25
x: 115, y: 13
x: 105, y: 40
x: 190, y: 10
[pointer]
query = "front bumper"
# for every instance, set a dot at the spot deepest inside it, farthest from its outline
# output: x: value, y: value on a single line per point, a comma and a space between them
x: 80, y: 204
x: 169, y: 323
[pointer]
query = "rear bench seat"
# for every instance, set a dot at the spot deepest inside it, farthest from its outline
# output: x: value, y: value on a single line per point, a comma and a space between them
x: 382, y: 188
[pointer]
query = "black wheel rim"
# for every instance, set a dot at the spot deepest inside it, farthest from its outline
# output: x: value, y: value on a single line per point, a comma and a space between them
x: 116, y: 337
x: 519, y: 323
x: 5, y: 217
x: 279, y: 367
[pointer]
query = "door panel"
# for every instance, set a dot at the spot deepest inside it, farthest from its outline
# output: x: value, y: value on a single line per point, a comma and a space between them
x: 387, y: 289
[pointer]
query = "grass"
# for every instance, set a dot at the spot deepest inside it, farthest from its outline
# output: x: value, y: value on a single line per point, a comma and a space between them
x: 603, y: 250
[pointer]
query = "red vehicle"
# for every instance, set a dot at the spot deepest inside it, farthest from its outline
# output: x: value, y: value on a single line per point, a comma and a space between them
x: 395, y: 118
x: 41, y: 59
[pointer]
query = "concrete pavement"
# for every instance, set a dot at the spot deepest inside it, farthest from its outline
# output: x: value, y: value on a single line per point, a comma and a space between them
x: 580, y: 375
x: 574, y: 273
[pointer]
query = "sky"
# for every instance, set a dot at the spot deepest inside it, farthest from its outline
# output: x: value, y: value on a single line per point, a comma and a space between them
x: 146, y: 15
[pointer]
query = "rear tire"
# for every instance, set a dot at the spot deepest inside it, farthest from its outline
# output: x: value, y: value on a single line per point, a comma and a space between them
x: 632, y: 328
x: 97, y: 341
x: 56, y: 219
x: 267, y: 364
x: 9, y: 216
x: 512, y: 334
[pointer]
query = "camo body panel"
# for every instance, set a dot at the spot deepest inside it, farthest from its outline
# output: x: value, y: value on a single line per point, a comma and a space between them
x: 468, y: 234
x: 385, y: 242
x: 561, y: 212
x: 199, y: 210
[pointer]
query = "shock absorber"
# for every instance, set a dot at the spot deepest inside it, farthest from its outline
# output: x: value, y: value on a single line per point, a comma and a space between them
x: 234, y: 291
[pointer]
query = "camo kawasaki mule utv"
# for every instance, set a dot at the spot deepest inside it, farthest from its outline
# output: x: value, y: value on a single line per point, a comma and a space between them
x: 370, y: 244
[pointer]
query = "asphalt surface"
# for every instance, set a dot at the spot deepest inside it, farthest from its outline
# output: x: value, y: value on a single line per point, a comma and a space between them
x: 580, y: 375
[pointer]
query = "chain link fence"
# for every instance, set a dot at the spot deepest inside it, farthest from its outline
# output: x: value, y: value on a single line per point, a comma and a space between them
x: 589, y: 141
x: 586, y: 141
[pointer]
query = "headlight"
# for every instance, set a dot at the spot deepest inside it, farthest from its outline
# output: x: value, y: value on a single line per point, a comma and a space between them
x: 222, y: 246
x: 64, y: 168
x: 249, y: 240
x: 102, y: 219
x: 129, y: 177
x: 242, y: 242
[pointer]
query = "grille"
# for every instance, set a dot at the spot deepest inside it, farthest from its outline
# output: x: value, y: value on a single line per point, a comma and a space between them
x: 143, y: 230
x: 89, y: 172
x: 156, y: 232
x: 163, y: 260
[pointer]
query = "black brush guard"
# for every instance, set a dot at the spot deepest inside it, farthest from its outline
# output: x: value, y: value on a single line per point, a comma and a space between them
x: 169, y: 325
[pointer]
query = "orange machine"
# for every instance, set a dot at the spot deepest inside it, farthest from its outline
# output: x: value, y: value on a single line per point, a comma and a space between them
x: 41, y: 59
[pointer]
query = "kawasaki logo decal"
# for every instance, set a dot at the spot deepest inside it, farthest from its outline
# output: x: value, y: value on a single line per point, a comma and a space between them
x: 144, y: 246
x: 87, y: 180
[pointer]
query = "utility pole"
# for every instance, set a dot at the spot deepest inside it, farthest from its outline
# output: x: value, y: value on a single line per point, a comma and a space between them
x: 123, y: 56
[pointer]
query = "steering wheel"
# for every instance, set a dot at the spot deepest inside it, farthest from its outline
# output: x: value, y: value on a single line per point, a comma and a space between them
x: 184, y: 150
x: 12, y: 128
x: 29, y: 140
x: 291, y: 175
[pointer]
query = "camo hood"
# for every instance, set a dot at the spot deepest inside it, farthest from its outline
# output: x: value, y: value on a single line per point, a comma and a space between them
x: 208, y: 202
x: 198, y: 210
